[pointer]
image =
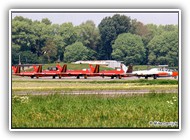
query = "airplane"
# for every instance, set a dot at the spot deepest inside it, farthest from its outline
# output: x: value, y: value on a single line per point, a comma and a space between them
x: 31, y: 74
x: 118, y: 73
x: 78, y: 73
x: 156, y: 72
x: 53, y: 71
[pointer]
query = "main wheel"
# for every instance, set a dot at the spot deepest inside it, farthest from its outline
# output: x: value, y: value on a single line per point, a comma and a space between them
x: 154, y: 76
x: 85, y: 76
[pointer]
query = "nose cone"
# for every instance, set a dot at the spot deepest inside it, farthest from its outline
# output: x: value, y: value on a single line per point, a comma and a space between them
x: 175, y: 73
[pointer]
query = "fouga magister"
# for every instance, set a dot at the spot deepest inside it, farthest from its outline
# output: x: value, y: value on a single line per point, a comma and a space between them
x: 79, y: 73
x: 17, y: 71
x: 123, y: 71
x: 52, y: 72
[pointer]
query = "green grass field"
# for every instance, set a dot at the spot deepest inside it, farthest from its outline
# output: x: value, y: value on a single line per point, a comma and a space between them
x: 99, y: 111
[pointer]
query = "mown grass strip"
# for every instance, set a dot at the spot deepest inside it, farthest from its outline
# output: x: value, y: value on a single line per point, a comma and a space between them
x: 74, y: 88
x: 141, y: 81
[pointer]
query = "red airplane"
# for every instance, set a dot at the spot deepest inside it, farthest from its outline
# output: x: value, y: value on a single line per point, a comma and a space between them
x: 31, y: 74
x: 78, y: 73
x: 119, y: 73
x: 54, y: 72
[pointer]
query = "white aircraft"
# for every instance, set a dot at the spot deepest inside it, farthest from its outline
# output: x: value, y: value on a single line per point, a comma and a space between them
x: 156, y: 72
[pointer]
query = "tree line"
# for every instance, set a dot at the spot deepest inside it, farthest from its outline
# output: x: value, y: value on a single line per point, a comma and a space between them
x: 116, y: 38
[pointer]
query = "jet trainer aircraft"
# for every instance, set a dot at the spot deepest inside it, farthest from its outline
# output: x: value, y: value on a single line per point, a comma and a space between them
x: 118, y: 73
x: 31, y: 74
x: 156, y: 72
x: 79, y: 73
x: 54, y: 72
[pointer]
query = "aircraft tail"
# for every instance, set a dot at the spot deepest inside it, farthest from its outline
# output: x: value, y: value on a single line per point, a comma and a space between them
x: 97, y: 69
x: 62, y: 69
x: 39, y: 69
x: 16, y: 69
x: 91, y: 68
x: 94, y: 70
x: 35, y: 68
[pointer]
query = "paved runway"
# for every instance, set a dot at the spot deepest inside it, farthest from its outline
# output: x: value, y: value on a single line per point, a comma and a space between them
x: 82, y: 78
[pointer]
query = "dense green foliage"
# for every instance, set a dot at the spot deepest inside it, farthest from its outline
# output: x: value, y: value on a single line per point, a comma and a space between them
x: 129, y: 48
x: 100, y: 111
x: 163, y: 49
x: 110, y: 28
x: 44, y: 42
x: 76, y: 52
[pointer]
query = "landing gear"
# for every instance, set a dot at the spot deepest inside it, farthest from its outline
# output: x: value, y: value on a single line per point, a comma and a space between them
x: 118, y: 76
x: 85, y: 76
x: 32, y: 76
x: 59, y: 76
x: 112, y: 77
x: 155, y: 76
x: 53, y: 77
x: 78, y: 77
x: 146, y: 77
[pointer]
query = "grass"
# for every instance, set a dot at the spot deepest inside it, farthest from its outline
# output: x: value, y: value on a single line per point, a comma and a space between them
x: 141, y: 81
x: 57, y: 110
x: 93, y: 85
x: 95, y: 111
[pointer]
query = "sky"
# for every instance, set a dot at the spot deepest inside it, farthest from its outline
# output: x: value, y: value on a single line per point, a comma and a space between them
x: 78, y: 18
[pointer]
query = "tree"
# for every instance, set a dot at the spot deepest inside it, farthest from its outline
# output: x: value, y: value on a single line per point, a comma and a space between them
x: 27, y: 57
x: 15, y: 53
x: 46, y: 21
x: 75, y: 52
x: 129, y: 48
x: 110, y: 28
x: 22, y: 33
x: 164, y: 49
x: 50, y: 51
x: 68, y: 33
x: 89, y: 34
x: 138, y: 28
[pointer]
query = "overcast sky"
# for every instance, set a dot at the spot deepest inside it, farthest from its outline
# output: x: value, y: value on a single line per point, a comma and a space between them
x: 78, y: 18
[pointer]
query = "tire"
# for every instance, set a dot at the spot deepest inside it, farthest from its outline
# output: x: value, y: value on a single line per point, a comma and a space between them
x: 85, y: 76
x: 146, y: 77
x: 155, y: 76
